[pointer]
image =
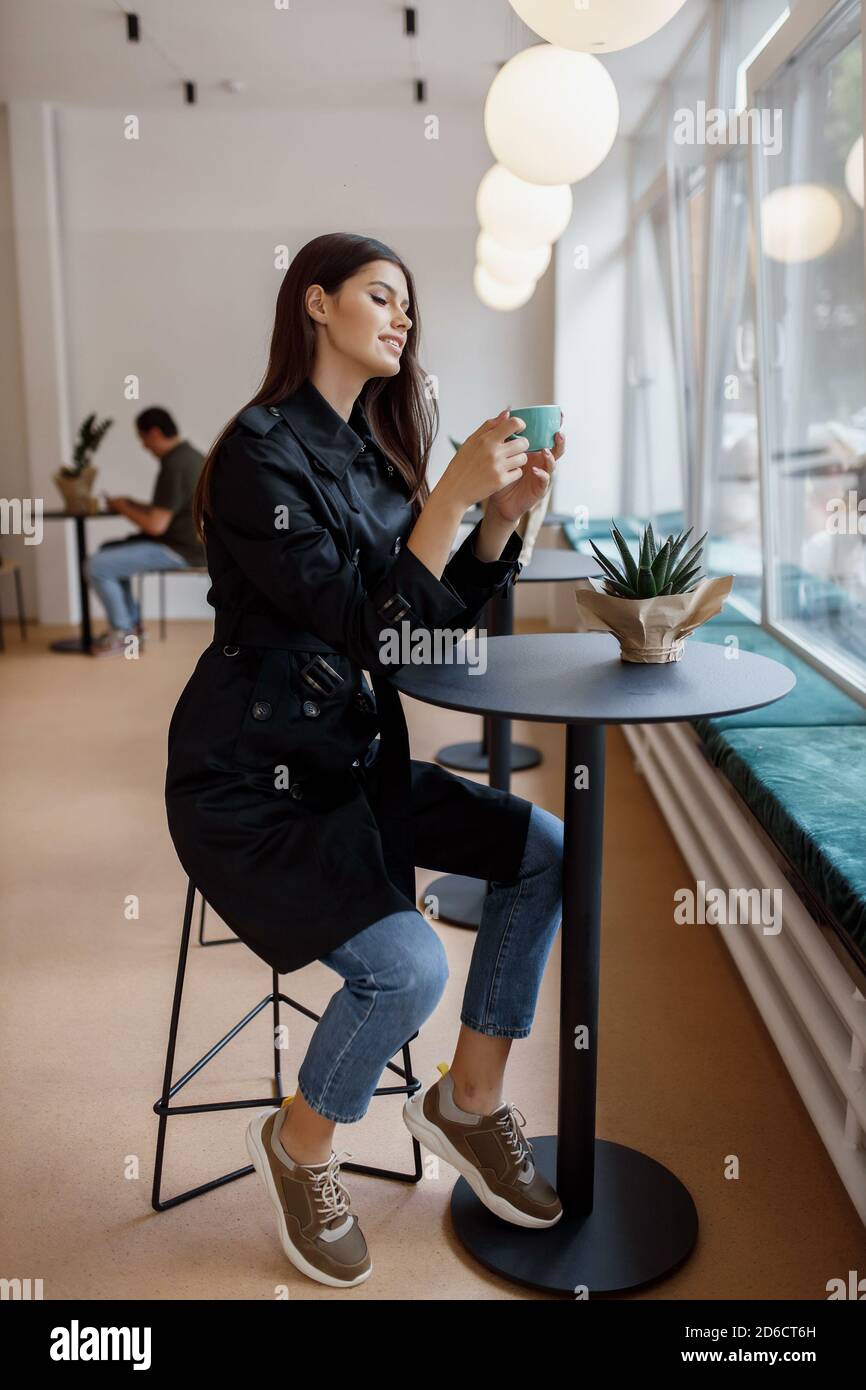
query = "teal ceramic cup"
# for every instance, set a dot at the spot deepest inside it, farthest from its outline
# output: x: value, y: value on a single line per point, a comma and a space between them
x: 540, y: 424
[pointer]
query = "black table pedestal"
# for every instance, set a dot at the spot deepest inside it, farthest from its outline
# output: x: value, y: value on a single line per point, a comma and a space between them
x: 460, y: 899
x: 498, y: 616
x: 643, y: 1223
x: 473, y: 757
x: 84, y: 642
x: 626, y: 1219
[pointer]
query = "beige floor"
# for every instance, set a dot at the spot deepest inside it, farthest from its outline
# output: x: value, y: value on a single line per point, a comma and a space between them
x: 687, y: 1070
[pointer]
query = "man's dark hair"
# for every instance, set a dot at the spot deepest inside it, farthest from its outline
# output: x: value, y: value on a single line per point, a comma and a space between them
x: 156, y: 415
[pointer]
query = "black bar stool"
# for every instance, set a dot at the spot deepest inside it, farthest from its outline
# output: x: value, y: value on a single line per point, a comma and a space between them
x: 163, y: 1109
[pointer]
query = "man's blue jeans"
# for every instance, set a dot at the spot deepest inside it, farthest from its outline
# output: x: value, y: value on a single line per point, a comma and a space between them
x: 395, y: 972
x: 111, y: 568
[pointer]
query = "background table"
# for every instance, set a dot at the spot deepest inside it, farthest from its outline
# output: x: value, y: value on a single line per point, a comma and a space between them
x: 83, y: 643
x: 627, y: 1219
x: 551, y: 518
x: 461, y: 898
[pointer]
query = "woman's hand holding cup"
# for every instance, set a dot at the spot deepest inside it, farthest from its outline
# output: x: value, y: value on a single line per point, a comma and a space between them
x: 519, y: 496
x: 487, y: 461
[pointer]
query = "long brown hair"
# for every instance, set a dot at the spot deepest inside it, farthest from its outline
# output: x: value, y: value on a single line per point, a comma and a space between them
x: 403, y: 414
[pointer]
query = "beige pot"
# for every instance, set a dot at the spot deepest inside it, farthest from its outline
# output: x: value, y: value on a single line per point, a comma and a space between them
x: 77, y: 491
x: 649, y: 629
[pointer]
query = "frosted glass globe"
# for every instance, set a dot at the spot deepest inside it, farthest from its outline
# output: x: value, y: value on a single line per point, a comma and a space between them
x: 521, y: 215
x: 497, y: 295
x: 854, y: 172
x: 602, y: 26
x: 551, y: 114
x: 800, y: 222
x: 510, y: 266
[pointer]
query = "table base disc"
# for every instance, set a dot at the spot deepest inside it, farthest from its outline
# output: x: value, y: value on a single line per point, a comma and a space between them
x: 460, y: 899
x: 67, y: 644
x: 473, y: 757
x: 642, y: 1225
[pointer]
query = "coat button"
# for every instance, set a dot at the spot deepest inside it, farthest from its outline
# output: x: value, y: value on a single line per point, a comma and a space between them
x: 261, y: 710
x: 356, y: 555
x: 273, y: 410
x: 296, y: 790
x: 311, y: 708
x: 395, y: 548
x: 356, y: 762
x: 362, y: 700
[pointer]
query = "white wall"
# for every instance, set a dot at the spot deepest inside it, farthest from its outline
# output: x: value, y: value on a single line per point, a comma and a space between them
x: 589, y: 349
x: 14, y: 471
x: 167, y: 256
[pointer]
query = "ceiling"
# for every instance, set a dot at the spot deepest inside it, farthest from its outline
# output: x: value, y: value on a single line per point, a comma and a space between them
x: 334, y: 53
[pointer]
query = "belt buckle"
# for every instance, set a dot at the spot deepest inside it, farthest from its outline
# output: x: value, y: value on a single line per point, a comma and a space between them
x: 321, y: 676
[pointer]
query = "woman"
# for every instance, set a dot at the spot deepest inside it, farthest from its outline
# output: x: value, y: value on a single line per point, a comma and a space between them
x: 299, y: 826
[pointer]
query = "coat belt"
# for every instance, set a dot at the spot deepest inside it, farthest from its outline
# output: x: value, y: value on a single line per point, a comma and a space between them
x: 393, y: 766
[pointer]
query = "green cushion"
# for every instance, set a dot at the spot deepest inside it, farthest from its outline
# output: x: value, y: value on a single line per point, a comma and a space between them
x: 598, y: 530
x: 729, y: 617
x: 814, y: 702
x: 805, y: 786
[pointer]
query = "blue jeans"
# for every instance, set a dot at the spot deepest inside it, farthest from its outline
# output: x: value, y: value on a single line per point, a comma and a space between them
x: 111, y: 568
x: 395, y: 972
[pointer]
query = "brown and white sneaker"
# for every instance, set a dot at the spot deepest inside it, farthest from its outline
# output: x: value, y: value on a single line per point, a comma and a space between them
x: 490, y: 1151
x: 318, y: 1233
x: 112, y: 642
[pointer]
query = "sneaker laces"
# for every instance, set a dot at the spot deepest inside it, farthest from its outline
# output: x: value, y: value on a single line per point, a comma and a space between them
x: 517, y: 1142
x: 329, y: 1191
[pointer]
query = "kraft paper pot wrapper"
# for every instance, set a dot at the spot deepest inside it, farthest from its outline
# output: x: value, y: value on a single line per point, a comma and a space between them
x: 649, y: 629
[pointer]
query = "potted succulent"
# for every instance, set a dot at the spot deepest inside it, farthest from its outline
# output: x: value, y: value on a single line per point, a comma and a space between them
x: 654, y: 600
x: 76, y: 480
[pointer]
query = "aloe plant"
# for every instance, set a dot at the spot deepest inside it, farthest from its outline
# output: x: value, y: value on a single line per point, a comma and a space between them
x: 658, y: 569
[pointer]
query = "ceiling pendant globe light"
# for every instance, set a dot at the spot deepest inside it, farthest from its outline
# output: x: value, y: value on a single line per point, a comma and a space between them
x: 800, y: 222
x: 511, y: 266
x: 551, y: 114
x: 600, y: 26
x: 854, y: 171
x: 497, y: 295
x: 521, y: 215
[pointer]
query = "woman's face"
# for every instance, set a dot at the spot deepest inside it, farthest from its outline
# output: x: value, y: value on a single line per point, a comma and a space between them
x: 367, y: 319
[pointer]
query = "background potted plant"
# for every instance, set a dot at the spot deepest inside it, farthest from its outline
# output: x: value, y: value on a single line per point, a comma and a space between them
x: 655, y: 600
x: 76, y: 480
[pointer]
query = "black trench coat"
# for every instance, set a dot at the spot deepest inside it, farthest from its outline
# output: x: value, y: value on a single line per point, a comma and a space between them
x: 299, y: 825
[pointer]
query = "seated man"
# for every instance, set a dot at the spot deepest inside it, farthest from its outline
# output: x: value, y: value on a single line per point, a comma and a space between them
x: 167, y: 537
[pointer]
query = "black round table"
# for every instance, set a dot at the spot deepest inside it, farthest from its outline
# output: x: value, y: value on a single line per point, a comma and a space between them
x: 627, y: 1219
x: 461, y: 898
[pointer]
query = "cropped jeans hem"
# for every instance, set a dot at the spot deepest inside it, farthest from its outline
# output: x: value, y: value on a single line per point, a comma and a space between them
x: 329, y: 1114
x: 492, y: 1031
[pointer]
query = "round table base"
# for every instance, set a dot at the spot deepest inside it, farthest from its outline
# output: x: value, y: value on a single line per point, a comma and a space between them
x: 473, y: 757
x: 67, y: 644
x: 642, y: 1225
x: 459, y: 899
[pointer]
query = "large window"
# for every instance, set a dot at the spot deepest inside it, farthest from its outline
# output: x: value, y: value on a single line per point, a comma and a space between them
x: 730, y: 456
x: 653, y: 476
x: 811, y: 355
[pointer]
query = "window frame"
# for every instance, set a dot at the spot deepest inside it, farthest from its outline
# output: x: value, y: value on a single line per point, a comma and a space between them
x: 794, y: 37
